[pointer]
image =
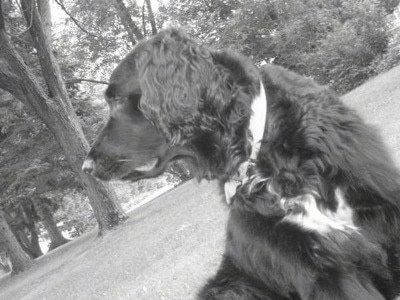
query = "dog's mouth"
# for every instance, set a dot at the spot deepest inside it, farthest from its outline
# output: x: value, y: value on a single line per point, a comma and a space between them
x: 158, y: 166
x: 129, y: 169
x: 153, y: 168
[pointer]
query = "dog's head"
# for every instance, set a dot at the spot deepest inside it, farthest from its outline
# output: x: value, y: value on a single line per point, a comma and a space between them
x: 172, y: 98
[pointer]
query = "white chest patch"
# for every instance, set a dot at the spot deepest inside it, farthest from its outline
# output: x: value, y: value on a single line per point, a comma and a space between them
x: 303, y: 210
x: 256, y: 126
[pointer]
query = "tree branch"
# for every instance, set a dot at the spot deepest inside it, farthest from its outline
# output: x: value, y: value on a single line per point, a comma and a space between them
x: 77, y: 23
x: 151, y: 17
x: 78, y: 80
x: 25, y: 42
x: 132, y: 29
x: 11, y: 83
x: 144, y: 21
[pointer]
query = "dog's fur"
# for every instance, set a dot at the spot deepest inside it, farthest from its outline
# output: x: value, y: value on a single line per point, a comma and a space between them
x: 317, y: 216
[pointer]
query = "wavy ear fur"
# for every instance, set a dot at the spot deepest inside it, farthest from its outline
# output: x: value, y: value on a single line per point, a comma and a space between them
x: 174, y: 73
x: 183, y: 87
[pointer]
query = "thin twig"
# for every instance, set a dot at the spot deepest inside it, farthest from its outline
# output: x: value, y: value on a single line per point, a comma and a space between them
x: 77, y: 23
x: 78, y: 80
x: 20, y: 39
x: 30, y: 21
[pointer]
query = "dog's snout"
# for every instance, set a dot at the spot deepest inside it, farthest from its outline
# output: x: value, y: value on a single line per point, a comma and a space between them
x: 88, y: 166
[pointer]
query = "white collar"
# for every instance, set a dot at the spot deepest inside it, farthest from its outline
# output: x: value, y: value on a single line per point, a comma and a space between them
x: 256, y: 127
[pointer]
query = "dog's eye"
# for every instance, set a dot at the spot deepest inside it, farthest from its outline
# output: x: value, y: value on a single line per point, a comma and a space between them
x: 118, y: 100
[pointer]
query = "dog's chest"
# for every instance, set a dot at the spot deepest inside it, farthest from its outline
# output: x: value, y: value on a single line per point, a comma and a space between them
x: 304, y: 211
x: 273, y: 248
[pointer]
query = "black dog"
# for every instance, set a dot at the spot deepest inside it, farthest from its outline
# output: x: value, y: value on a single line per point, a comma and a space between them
x: 314, y: 207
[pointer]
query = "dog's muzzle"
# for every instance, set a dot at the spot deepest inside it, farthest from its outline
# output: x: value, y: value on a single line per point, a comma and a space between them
x: 88, y: 166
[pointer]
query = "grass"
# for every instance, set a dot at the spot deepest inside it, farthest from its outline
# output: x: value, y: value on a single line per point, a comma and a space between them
x: 169, y: 246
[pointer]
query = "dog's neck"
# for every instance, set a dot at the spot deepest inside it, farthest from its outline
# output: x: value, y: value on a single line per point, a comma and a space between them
x: 257, y: 120
x: 256, y: 127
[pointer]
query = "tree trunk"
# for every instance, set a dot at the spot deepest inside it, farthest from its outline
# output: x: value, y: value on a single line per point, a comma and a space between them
x: 18, y: 227
x: 151, y: 17
x: 131, y: 28
x: 19, y: 259
x: 55, y: 111
x: 34, y: 241
x: 56, y: 238
x: 144, y: 20
x: 46, y: 216
x: 23, y: 241
x: 45, y: 16
x: 30, y: 224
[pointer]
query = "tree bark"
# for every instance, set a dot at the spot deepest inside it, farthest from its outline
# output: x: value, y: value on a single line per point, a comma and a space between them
x: 19, y: 259
x: 151, y: 17
x: 34, y: 241
x: 46, y: 216
x: 131, y: 28
x: 23, y: 241
x: 55, y: 111
x: 45, y: 16
x: 30, y: 224
x: 56, y: 238
x: 21, y: 225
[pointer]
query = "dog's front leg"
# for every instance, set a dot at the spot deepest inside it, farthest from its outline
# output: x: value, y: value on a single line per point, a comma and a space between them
x: 343, y: 287
x: 232, y: 284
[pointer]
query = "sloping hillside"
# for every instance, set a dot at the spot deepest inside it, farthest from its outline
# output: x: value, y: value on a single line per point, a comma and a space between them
x: 166, y: 250
x: 378, y: 101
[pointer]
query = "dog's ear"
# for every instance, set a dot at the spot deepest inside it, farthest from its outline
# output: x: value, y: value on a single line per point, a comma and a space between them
x: 179, y: 83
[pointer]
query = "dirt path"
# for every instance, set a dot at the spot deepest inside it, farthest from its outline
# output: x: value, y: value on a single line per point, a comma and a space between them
x: 166, y: 250
x: 378, y: 101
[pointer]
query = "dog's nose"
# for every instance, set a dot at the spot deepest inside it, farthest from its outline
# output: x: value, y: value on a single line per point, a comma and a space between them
x: 88, y: 166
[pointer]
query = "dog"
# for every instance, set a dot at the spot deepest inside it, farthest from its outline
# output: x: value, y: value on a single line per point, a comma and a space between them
x: 313, y: 195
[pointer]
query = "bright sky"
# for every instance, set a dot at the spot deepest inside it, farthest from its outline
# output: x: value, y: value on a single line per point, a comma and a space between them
x: 154, y: 4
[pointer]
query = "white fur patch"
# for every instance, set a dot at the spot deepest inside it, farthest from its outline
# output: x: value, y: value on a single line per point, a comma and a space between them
x: 257, y: 120
x: 230, y: 190
x: 257, y: 124
x: 303, y: 210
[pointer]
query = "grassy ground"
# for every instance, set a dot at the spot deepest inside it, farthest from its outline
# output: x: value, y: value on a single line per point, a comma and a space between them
x: 171, y: 245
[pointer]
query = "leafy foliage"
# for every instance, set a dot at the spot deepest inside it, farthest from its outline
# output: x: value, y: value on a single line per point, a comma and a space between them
x: 336, y: 42
x: 390, y: 5
x: 391, y: 58
x: 97, y: 35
